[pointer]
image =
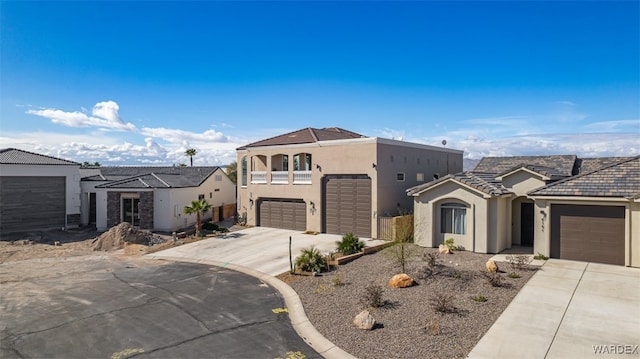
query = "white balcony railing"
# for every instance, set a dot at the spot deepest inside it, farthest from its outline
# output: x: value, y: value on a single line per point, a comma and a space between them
x: 258, y: 176
x: 279, y: 177
x: 301, y: 177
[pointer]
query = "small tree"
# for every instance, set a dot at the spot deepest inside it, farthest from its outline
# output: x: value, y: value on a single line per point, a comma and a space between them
x: 190, y: 152
x: 232, y: 171
x: 402, y: 249
x: 198, y: 207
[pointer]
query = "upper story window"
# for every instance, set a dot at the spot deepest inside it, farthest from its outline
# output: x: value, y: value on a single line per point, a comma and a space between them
x: 453, y: 218
x: 302, y: 162
x: 400, y: 176
x: 243, y: 165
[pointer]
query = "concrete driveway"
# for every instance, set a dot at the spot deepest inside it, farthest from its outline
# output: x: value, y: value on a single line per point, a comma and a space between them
x: 569, y: 309
x: 260, y: 248
x: 102, y: 307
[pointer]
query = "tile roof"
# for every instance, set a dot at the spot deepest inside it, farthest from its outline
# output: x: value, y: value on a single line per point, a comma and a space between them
x: 152, y: 177
x: 591, y: 164
x: 483, y: 182
x: 14, y: 156
x: 552, y: 173
x: 306, y: 135
x: 621, y: 179
x: 560, y: 164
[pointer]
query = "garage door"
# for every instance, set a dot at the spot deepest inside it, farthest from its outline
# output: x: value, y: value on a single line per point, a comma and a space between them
x: 31, y: 203
x: 283, y: 213
x: 588, y: 233
x: 347, y: 205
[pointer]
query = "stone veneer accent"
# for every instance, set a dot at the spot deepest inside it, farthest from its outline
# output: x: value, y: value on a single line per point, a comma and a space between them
x: 113, y: 209
x: 146, y: 210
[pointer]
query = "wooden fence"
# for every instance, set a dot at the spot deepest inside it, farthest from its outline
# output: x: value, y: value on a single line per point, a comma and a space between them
x: 394, y: 228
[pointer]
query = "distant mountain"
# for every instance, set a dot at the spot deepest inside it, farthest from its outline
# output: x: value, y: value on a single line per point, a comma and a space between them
x: 469, y: 164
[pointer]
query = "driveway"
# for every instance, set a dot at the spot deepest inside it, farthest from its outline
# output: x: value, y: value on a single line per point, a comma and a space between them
x: 260, y: 248
x: 569, y: 309
x: 105, y: 307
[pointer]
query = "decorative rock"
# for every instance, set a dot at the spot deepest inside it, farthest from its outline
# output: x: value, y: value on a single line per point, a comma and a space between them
x: 400, y: 281
x: 364, y: 320
x: 492, y: 266
x: 443, y: 249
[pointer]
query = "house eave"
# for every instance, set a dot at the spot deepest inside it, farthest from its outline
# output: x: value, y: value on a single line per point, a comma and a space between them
x: 579, y: 198
x: 483, y: 194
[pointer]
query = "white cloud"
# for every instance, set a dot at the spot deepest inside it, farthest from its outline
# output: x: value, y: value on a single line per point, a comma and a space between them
x: 105, y: 115
x: 184, y: 137
x: 619, y: 125
x: 566, y: 103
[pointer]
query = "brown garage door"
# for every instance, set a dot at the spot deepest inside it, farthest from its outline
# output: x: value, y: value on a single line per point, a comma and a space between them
x: 283, y: 213
x: 588, y: 233
x: 347, y: 205
x: 31, y: 203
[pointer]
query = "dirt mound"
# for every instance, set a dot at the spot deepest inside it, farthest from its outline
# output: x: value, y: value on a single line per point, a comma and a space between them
x: 116, y: 237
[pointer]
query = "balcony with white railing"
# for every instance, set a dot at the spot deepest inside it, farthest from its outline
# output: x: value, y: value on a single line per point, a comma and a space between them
x: 258, y: 177
x: 301, y: 177
x: 279, y: 177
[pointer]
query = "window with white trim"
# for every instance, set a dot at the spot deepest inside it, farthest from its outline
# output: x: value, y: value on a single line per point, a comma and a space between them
x: 453, y: 218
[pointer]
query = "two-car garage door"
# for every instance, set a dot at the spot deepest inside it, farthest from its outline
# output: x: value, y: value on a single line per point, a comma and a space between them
x: 31, y: 203
x: 588, y: 233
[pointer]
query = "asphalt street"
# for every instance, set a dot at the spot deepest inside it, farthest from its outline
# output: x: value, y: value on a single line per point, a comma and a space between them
x: 113, y: 309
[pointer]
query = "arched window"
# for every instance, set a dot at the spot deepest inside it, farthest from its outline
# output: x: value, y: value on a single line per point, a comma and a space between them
x: 244, y: 171
x: 453, y: 218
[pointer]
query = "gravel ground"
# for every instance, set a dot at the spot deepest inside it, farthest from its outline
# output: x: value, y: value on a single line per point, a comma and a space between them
x: 408, y: 326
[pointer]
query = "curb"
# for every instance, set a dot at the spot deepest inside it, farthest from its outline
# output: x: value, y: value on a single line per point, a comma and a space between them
x: 297, y: 316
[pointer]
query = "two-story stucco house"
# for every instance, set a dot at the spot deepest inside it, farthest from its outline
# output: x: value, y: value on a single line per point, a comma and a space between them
x: 332, y: 180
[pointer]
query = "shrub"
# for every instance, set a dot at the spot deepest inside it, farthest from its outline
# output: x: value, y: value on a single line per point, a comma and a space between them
x: 449, y: 243
x: 210, y: 226
x: 431, y: 259
x: 518, y: 261
x: 443, y: 303
x: 540, y: 256
x: 350, y: 244
x: 513, y: 275
x: 310, y: 260
x: 337, y: 280
x: 479, y: 298
x: 372, y: 296
x: 492, y: 278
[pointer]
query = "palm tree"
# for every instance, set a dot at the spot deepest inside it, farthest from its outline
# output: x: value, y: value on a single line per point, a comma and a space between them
x: 232, y: 171
x: 198, y: 207
x: 191, y: 152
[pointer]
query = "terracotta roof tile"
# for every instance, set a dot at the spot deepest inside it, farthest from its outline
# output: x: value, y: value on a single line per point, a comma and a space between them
x: 306, y: 135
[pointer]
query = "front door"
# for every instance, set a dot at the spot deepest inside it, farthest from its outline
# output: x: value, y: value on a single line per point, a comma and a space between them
x: 130, y: 212
x: 526, y: 224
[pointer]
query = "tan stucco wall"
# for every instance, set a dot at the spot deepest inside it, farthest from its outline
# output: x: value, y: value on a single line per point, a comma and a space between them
x: 522, y: 182
x: 427, y: 217
x: 542, y: 234
x: 355, y: 157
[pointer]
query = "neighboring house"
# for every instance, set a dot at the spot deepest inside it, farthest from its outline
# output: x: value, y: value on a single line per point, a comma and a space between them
x: 564, y: 207
x: 37, y: 192
x: 153, y: 198
x: 332, y: 180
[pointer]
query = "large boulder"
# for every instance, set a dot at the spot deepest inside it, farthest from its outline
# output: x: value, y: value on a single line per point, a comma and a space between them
x: 492, y: 267
x: 400, y: 281
x: 444, y: 249
x: 364, y: 320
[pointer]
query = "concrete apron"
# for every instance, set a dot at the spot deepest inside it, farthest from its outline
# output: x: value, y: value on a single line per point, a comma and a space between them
x: 569, y: 309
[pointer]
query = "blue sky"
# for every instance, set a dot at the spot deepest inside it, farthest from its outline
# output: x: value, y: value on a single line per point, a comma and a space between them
x: 139, y: 82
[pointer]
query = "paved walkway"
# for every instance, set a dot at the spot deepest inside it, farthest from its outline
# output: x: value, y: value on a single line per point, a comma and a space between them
x: 565, y: 310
